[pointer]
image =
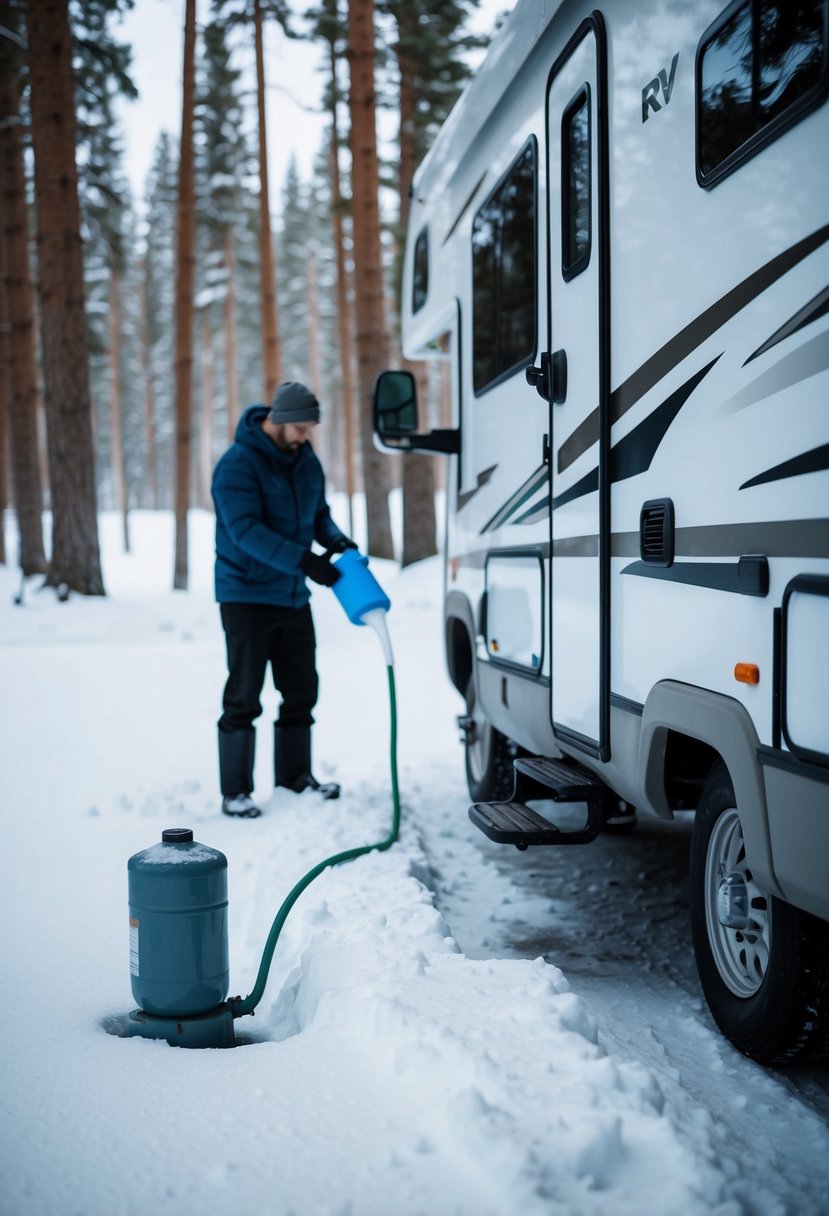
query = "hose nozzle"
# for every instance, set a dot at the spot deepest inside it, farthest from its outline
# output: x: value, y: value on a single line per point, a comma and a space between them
x: 375, y: 618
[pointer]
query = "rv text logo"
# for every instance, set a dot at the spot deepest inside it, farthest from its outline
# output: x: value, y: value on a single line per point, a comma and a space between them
x: 664, y: 82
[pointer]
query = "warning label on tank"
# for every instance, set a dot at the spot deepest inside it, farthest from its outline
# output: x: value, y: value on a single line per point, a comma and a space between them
x: 133, y: 946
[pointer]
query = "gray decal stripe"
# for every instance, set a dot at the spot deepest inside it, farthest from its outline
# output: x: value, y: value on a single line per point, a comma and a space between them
x: 817, y: 307
x: 517, y: 500
x: 772, y: 538
x: 576, y: 546
x: 683, y: 343
x: 483, y: 478
x: 625, y: 544
x: 539, y: 510
x: 809, y: 462
x: 809, y: 359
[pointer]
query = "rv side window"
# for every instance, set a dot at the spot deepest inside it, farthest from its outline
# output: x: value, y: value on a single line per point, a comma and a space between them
x: 504, y: 276
x: 420, y: 278
x: 760, y: 66
x: 575, y: 185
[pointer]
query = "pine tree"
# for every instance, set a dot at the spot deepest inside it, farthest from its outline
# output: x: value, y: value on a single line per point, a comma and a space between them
x: 293, y: 246
x: 185, y: 282
x: 5, y: 398
x: 307, y: 303
x: 372, y: 334
x: 18, y: 296
x: 105, y: 208
x: 254, y: 13
x: 430, y: 48
x: 157, y: 323
x: 328, y: 26
x: 323, y: 245
x: 223, y: 163
x: 75, y: 560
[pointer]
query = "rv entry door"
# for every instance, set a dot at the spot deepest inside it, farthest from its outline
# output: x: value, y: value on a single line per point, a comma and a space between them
x: 577, y: 345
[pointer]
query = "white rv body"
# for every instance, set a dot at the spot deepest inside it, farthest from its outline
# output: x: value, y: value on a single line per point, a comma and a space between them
x: 696, y: 339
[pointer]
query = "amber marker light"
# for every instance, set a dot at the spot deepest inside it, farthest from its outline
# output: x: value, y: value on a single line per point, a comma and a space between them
x: 747, y: 673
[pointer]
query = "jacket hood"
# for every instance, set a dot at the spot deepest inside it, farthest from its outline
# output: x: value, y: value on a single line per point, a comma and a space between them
x: 250, y: 423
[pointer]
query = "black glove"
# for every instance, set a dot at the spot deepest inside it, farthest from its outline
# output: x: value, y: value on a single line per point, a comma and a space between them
x: 319, y: 569
x: 340, y: 546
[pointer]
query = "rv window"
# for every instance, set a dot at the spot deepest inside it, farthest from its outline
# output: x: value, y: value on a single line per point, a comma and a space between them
x: 420, y: 279
x: 575, y: 185
x: 504, y: 276
x: 760, y: 66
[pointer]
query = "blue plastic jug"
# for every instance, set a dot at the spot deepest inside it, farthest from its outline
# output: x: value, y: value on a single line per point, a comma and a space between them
x: 357, y: 589
x: 178, y: 926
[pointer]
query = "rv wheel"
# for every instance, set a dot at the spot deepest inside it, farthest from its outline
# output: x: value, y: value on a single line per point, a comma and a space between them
x: 488, y: 754
x: 762, y: 963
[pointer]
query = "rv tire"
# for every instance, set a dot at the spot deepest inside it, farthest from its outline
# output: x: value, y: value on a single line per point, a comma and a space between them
x: 488, y: 755
x: 762, y: 963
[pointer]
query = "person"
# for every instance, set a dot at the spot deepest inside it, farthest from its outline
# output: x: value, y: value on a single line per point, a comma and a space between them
x: 269, y: 493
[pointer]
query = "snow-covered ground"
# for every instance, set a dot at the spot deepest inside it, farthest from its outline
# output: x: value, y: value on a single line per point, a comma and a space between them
x: 418, y: 1051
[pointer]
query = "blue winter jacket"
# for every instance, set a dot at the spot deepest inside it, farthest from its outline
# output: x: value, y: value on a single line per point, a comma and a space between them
x: 270, y: 506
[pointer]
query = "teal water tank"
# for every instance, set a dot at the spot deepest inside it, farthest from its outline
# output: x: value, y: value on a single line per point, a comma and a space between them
x: 178, y: 926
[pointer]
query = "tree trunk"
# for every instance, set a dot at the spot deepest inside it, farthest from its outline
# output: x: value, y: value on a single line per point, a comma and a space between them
x: 150, y: 459
x: 271, y: 352
x: 419, y: 531
x: 116, y: 421
x: 5, y: 398
x: 75, y: 552
x: 206, y: 414
x: 324, y: 437
x: 314, y: 368
x: 19, y: 297
x: 343, y: 307
x: 419, y: 525
x: 372, y: 336
x: 185, y: 280
x: 231, y: 375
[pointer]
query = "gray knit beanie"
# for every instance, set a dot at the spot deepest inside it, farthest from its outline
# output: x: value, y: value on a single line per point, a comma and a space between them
x: 293, y: 402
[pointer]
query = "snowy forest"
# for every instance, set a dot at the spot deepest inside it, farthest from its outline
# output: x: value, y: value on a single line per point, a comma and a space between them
x: 133, y: 331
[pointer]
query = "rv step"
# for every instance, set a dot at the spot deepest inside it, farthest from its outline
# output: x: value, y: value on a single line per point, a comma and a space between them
x: 514, y: 823
x: 536, y: 777
x: 539, y: 779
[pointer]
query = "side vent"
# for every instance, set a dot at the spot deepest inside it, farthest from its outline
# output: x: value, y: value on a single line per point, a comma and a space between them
x: 656, y: 532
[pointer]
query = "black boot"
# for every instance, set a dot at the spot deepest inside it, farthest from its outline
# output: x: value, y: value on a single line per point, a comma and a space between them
x: 236, y: 751
x: 292, y: 761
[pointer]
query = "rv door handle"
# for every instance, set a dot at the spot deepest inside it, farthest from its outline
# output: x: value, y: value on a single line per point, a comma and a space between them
x: 539, y: 377
x: 559, y: 368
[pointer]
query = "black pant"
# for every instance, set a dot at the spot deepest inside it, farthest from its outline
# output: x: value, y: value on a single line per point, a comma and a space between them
x: 258, y: 634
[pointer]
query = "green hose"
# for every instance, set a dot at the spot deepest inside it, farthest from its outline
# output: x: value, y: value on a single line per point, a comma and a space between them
x: 240, y: 1006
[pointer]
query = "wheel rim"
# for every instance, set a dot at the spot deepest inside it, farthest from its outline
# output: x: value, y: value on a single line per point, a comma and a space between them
x: 478, y: 740
x: 741, y: 953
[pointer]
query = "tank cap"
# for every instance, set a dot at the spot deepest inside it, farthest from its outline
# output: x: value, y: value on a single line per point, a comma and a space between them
x: 177, y: 835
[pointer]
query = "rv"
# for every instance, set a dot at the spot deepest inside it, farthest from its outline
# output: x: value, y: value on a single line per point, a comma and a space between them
x: 619, y: 247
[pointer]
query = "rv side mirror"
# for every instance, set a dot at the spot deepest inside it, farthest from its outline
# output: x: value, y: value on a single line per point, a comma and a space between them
x: 395, y: 405
x: 395, y: 417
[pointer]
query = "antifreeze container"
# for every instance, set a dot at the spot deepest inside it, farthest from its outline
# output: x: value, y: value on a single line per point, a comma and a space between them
x: 357, y: 589
x: 178, y: 926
